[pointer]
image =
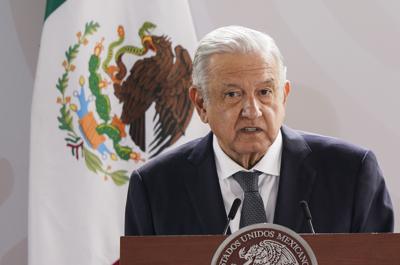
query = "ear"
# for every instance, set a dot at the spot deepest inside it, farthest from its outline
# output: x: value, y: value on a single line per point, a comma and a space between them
x: 198, y: 102
x: 286, y: 91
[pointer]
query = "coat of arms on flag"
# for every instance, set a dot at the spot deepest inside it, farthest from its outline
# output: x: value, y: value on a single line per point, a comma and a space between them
x: 110, y: 93
x: 95, y: 132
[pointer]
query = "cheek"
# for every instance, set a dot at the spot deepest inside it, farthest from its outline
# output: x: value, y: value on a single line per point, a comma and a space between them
x: 274, y: 115
x: 270, y: 113
x: 223, y: 120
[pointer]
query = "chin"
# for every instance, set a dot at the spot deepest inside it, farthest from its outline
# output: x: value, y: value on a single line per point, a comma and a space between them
x: 252, y: 148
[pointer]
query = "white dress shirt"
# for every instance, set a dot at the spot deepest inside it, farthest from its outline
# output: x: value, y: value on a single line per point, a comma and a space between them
x: 268, y: 182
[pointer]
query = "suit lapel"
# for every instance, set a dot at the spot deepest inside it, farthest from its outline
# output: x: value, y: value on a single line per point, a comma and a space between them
x: 295, y: 184
x: 204, y: 190
x: 296, y: 181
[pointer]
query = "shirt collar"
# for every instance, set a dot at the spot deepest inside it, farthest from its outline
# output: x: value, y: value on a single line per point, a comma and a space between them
x: 269, y: 164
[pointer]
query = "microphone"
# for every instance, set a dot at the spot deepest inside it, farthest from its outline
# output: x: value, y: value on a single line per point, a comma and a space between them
x: 235, y: 206
x: 307, y: 215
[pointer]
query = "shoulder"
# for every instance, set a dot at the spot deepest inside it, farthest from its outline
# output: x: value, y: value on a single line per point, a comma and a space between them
x: 326, y: 150
x: 172, y: 159
x: 319, y: 143
x: 322, y: 144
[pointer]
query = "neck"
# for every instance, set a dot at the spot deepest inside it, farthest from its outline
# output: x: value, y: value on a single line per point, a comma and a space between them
x: 247, y: 161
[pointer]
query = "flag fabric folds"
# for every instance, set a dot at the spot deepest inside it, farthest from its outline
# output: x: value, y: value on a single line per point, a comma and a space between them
x: 110, y: 93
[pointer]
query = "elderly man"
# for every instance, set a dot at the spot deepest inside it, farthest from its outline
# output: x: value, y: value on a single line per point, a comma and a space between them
x: 240, y: 90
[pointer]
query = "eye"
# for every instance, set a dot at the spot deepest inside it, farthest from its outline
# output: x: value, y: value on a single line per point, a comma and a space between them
x: 265, y: 92
x: 232, y: 94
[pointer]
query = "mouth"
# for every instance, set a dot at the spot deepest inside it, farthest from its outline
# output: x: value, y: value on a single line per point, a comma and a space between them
x: 250, y: 129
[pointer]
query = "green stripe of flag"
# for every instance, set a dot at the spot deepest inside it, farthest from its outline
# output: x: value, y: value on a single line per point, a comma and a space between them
x: 51, y: 6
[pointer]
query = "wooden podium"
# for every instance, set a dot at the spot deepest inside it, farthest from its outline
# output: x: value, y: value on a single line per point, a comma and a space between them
x: 330, y: 249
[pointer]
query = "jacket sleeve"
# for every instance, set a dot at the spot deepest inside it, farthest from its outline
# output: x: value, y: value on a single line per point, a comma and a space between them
x: 373, y: 211
x: 138, y: 217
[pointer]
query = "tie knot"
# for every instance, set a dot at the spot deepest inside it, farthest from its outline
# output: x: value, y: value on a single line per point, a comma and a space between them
x: 247, y: 180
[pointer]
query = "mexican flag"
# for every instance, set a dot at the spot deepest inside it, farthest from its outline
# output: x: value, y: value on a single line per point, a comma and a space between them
x: 110, y: 93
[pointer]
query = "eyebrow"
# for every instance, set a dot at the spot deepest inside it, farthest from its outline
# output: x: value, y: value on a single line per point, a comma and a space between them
x: 269, y: 81
x: 231, y: 85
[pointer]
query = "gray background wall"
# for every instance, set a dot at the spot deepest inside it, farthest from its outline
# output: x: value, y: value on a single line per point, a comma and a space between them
x: 20, y: 28
x: 343, y: 59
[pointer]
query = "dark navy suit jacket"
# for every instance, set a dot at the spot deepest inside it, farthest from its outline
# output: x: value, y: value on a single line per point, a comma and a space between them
x: 178, y: 193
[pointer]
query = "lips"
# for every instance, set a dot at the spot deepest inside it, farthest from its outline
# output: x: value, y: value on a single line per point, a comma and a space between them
x: 250, y: 129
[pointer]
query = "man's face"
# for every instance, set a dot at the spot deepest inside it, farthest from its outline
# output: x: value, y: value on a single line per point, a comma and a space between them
x: 246, y: 107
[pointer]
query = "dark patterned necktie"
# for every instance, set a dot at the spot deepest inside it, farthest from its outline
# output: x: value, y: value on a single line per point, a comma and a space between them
x: 253, y: 211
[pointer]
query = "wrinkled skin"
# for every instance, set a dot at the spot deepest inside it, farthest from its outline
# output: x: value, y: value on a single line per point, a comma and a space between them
x: 245, y: 107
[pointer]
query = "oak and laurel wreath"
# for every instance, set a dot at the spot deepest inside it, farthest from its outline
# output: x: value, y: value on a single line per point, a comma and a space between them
x: 73, y: 140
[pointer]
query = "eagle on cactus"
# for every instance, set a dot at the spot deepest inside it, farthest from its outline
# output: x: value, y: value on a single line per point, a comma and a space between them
x: 164, y: 79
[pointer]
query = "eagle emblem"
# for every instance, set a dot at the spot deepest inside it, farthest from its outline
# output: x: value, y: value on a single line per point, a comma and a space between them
x: 268, y: 252
x: 163, y: 79
x: 101, y: 133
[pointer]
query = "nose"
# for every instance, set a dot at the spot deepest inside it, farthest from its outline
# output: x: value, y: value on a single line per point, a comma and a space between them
x: 251, y: 108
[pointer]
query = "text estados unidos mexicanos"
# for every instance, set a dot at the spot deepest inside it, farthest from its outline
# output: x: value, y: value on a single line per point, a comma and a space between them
x: 268, y: 234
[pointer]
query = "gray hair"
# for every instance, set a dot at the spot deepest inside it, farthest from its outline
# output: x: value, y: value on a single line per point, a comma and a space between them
x: 233, y: 39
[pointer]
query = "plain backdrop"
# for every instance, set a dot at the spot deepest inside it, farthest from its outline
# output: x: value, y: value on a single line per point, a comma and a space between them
x: 343, y: 60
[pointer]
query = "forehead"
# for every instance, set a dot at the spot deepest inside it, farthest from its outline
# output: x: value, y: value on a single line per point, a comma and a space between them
x: 241, y: 66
